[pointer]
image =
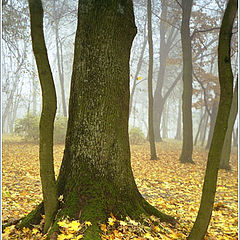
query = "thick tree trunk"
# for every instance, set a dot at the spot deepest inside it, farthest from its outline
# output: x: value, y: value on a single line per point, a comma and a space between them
x: 150, y: 75
x: 213, y: 117
x: 96, y: 176
x: 226, y: 151
x: 187, y: 147
x: 226, y: 88
x: 49, y: 105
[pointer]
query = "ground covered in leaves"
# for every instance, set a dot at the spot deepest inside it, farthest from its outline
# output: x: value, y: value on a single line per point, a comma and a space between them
x: 172, y: 187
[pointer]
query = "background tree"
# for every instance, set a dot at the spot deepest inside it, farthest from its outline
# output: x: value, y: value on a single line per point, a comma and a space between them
x: 226, y: 85
x: 49, y: 106
x: 187, y: 147
x: 150, y: 75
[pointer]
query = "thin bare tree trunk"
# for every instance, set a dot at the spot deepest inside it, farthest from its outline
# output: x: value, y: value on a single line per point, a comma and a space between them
x: 150, y: 94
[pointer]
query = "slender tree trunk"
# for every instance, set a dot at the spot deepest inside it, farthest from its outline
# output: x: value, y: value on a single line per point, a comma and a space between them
x: 226, y: 88
x: 159, y: 100
x: 213, y: 117
x: 235, y: 138
x: 60, y: 72
x: 150, y: 75
x: 226, y: 151
x: 34, y: 85
x: 199, y: 127
x: 139, y: 65
x: 204, y: 130
x: 179, y: 121
x: 165, y: 123
x: 49, y: 105
x: 187, y: 147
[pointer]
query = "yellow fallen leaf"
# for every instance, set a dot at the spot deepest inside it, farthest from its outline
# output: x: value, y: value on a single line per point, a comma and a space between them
x: 88, y: 223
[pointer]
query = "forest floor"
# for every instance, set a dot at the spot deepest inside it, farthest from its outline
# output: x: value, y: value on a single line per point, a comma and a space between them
x: 172, y: 187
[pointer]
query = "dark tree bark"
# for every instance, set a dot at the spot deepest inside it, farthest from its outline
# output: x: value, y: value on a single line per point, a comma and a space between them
x: 187, y: 147
x: 49, y: 106
x: 150, y: 94
x: 226, y: 151
x: 226, y: 88
x: 96, y: 176
x: 213, y: 117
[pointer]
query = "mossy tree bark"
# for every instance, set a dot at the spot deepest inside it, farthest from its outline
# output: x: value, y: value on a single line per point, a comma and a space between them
x: 226, y: 151
x: 49, y: 106
x: 187, y: 147
x: 150, y: 91
x: 226, y: 86
x: 96, y: 176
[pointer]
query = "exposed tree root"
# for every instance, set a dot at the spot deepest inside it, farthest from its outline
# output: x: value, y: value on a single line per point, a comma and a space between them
x: 33, y: 218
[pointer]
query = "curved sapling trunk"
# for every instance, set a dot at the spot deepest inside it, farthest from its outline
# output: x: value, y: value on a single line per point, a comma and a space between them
x: 226, y: 88
x: 49, y: 106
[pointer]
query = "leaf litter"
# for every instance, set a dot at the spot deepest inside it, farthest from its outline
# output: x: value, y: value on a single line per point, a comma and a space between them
x: 170, y: 186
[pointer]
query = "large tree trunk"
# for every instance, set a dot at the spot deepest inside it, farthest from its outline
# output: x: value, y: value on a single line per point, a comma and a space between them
x: 96, y: 176
x: 150, y: 75
x: 49, y: 106
x: 226, y: 151
x: 187, y: 147
x: 226, y: 88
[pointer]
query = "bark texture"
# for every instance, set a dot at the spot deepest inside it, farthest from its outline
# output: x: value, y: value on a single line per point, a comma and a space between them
x: 96, y: 176
x: 187, y: 147
x: 226, y: 87
x: 49, y: 106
